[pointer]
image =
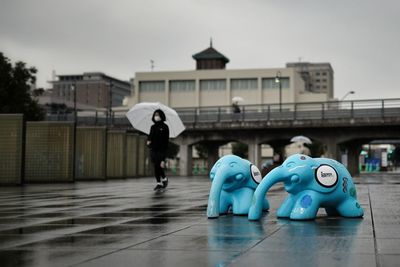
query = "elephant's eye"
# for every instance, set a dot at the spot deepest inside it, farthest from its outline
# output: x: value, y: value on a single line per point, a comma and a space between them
x: 232, y: 164
x: 290, y: 164
x: 218, y: 164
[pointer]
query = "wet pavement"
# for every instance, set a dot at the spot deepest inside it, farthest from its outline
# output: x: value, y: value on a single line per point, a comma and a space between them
x: 125, y: 223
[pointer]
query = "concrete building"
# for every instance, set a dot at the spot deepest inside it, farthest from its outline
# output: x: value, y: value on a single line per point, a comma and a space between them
x: 213, y: 85
x: 93, y: 89
x: 318, y: 77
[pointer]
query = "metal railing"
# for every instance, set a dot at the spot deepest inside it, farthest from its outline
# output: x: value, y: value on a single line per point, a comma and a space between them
x: 376, y: 108
x: 295, y: 111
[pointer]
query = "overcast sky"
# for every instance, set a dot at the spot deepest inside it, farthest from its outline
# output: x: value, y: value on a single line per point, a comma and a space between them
x: 360, y: 38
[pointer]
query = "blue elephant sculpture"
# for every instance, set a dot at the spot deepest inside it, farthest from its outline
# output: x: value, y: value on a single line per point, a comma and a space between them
x: 311, y: 183
x: 234, y: 181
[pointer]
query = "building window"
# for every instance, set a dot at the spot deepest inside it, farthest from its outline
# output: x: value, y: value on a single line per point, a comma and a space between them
x: 317, y: 73
x: 244, y: 84
x: 324, y: 73
x: 324, y: 80
x: 269, y: 83
x: 152, y: 86
x: 181, y: 86
x: 212, y: 84
x: 324, y: 86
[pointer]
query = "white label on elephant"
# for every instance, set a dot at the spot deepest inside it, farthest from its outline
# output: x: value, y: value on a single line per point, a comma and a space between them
x: 255, y: 174
x: 326, y: 176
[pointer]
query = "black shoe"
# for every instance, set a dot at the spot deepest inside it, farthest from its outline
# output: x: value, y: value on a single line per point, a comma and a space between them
x: 164, y: 182
x: 158, y: 187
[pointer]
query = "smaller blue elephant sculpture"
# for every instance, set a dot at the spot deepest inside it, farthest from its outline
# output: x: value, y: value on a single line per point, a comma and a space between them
x: 234, y: 181
x: 311, y: 183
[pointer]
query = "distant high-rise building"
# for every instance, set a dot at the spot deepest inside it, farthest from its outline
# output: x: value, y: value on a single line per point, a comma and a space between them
x: 318, y: 77
x: 93, y: 89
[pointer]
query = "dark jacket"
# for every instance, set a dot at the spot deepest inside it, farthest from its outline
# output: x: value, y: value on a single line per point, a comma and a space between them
x: 159, y: 134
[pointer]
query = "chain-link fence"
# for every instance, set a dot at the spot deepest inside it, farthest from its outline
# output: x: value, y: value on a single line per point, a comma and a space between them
x: 90, y: 153
x: 11, y: 136
x: 47, y: 151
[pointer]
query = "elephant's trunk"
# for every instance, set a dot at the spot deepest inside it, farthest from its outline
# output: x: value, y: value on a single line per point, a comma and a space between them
x: 215, y: 193
x: 275, y: 176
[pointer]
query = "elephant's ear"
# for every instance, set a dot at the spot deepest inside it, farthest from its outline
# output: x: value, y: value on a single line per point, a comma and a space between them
x: 326, y: 177
x: 255, y: 174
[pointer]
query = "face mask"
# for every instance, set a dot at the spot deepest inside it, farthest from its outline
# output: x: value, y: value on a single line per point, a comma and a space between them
x: 157, y: 118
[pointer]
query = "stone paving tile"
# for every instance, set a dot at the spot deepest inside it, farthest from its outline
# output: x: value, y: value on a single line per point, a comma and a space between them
x: 389, y: 260
x: 306, y: 258
x: 165, y: 258
x: 320, y: 244
x: 49, y: 257
x: 125, y: 223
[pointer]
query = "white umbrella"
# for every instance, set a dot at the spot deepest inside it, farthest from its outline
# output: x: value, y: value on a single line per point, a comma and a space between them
x: 301, y: 139
x: 141, y: 114
x: 237, y: 99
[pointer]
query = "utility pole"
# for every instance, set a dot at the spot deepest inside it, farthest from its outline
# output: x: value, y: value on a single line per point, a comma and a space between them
x: 73, y: 88
x: 278, y: 80
x: 110, y: 103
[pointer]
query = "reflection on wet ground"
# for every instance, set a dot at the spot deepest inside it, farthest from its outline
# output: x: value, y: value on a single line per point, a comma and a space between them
x: 125, y: 223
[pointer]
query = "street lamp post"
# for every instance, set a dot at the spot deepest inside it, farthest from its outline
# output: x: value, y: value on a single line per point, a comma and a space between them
x: 348, y: 93
x: 110, y: 102
x: 278, y: 81
x: 73, y: 88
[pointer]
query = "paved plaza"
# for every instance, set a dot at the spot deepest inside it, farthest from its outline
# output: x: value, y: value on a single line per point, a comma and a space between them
x: 125, y: 223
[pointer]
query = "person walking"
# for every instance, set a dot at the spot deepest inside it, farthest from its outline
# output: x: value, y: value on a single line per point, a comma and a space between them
x: 157, y: 141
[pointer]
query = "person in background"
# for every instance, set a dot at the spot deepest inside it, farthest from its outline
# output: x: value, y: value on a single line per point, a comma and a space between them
x: 235, y: 107
x: 157, y: 141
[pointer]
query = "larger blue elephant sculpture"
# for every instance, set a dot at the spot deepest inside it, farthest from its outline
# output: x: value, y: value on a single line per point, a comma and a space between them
x: 234, y: 181
x: 311, y: 183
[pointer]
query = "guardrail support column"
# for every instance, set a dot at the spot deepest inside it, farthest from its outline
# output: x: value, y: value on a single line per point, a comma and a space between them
x: 353, y: 152
x: 255, y: 153
x: 352, y: 109
x: 185, y: 160
x: 212, y: 156
x: 331, y: 148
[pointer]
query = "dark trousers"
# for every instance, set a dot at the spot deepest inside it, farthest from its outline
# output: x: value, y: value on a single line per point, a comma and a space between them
x: 156, y: 158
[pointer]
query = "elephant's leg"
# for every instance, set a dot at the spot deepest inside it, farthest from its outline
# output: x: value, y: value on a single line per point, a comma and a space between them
x: 265, y: 204
x: 306, y: 206
x: 242, y: 200
x: 225, y: 202
x: 286, y: 208
x: 350, y: 208
x: 331, y: 211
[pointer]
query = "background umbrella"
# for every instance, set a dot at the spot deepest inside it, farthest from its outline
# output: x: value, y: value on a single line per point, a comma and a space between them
x: 140, y: 117
x: 301, y: 139
x: 237, y: 99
